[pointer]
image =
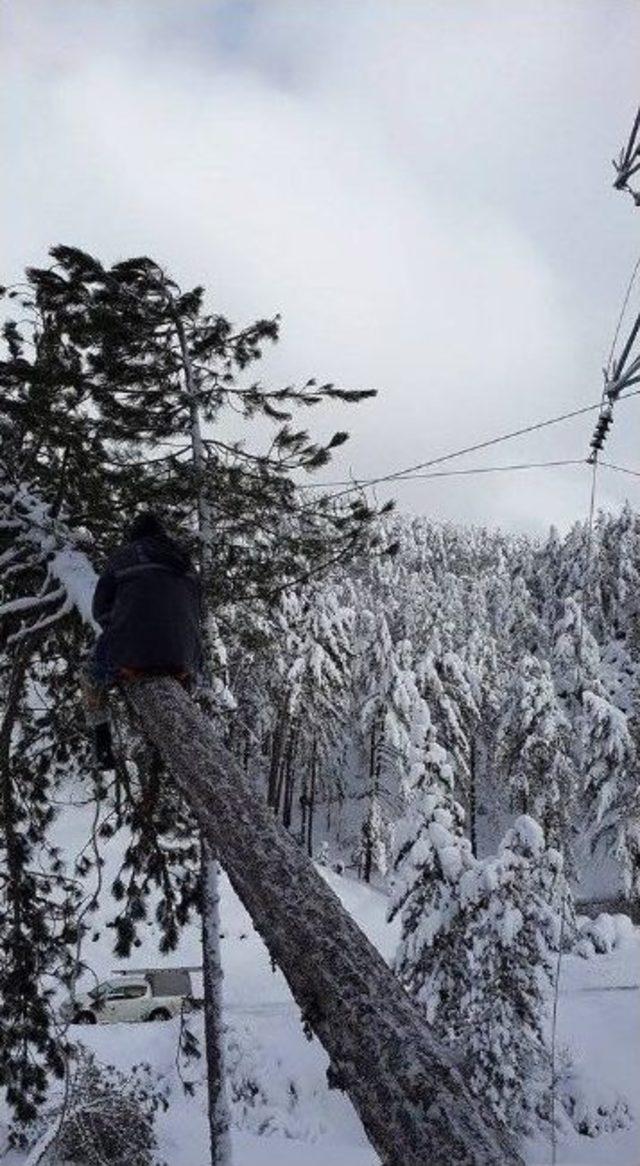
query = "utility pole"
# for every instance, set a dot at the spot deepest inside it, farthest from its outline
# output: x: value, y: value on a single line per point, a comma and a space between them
x: 627, y: 164
x: 625, y: 371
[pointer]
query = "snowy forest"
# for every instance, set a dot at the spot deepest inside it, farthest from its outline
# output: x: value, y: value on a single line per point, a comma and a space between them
x: 444, y: 719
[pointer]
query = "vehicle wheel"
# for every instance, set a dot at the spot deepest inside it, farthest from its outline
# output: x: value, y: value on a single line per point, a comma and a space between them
x: 84, y: 1018
x: 160, y: 1014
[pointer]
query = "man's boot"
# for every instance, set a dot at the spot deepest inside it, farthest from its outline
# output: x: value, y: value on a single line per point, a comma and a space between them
x: 96, y: 707
x: 102, y: 745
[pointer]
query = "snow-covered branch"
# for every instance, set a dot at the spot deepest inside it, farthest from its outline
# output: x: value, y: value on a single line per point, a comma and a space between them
x: 43, y: 541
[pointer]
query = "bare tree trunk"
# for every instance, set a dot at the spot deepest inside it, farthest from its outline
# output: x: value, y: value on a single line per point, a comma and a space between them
x: 247, y: 750
x: 312, y: 798
x: 290, y: 779
x: 412, y: 1100
x: 219, y: 1116
x: 374, y: 786
x: 473, y: 796
x: 304, y: 804
x: 276, y: 762
x: 218, y: 1112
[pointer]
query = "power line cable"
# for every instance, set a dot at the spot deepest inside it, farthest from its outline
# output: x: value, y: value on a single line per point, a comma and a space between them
x: 400, y: 474
x: 621, y: 469
x: 623, y: 309
x: 491, y: 469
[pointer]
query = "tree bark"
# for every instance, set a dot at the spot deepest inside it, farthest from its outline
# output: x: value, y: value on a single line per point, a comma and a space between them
x: 412, y: 1100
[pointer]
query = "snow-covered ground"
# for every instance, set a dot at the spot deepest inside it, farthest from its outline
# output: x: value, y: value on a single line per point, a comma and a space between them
x: 599, y: 1022
x: 283, y: 1112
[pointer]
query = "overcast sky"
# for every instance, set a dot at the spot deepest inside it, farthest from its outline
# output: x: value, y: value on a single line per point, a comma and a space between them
x: 422, y: 189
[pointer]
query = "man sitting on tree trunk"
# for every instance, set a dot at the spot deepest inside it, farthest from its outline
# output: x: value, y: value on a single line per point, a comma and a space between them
x: 147, y: 601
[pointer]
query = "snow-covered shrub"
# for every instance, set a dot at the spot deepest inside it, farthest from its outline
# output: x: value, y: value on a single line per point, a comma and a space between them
x: 602, y: 935
x: 108, y: 1116
x: 264, y: 1097
x: 592, y: 1107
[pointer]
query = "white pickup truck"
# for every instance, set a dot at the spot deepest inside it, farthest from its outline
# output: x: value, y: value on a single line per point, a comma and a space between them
x: 136, y: 995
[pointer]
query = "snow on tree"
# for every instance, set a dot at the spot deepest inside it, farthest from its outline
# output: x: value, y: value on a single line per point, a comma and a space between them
x: 477, y: 943
x: 618, y: 609
x: 432, y: 853
x: 611, y: 785
x: 486, y: 683
x: 524, y: 630
x: 445, y: 686
x: 314, y: 660
x: 545, y: 582
x: 534, y: 750
x: 512, y: 907
x: 375, y: 841
x: 575, y: 656
x: 42, y: 576
x: 390, y: 715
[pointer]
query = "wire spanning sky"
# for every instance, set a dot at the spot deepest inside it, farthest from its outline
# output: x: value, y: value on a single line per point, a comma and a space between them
x: 423, y: 190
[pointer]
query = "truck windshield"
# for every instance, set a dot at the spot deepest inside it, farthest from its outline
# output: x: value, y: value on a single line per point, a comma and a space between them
x: 118, y: 990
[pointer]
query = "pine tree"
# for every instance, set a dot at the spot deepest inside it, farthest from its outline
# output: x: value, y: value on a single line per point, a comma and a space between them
x: 432, y: 854
x: 534, y: 751
x: 611, y: 784
x: 513, y: 906
x: 39, y: 901
x: 575, y: 657
x: 525, y: 632
x: 40, y: 919
x: 486, y: 682
x: 111, y: 364
x: 318, y: 682
x: 387, y: 711
x: 445, y: 686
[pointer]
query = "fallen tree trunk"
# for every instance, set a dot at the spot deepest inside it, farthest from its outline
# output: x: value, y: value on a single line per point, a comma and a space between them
x: 412, y: 1101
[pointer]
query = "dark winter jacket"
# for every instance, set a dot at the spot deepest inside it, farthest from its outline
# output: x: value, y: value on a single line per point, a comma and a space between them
x: 148, y: 603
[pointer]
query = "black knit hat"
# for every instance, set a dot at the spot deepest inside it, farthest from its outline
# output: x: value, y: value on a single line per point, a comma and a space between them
x: 146, y: 525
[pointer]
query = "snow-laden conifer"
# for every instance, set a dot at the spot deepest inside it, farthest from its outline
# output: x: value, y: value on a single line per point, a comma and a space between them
x: 390, y: 714
x: 575, y: 656
x: 534, y: 750
x: 512, y: 907
x: 611, y: 785
x: 432, y: 853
